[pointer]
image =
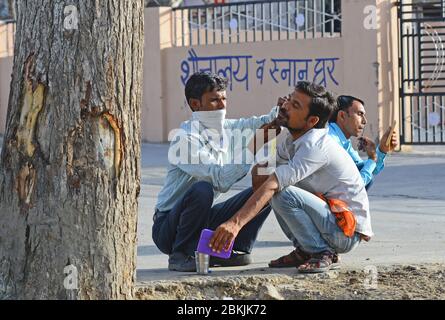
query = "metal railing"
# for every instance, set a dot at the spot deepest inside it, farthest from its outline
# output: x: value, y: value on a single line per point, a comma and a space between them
x: 422, y: 71
x: 256, y: 21
x: 6, y: 40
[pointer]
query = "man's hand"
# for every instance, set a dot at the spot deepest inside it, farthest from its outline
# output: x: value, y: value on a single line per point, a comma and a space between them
x: 223, y: 236
x: 258, y: 180
x: 281, y: 101
x: 367, y: 145
x: 270, y: 126
x: 256, y: 144
x: 226, y: 233
x: 392, y: 144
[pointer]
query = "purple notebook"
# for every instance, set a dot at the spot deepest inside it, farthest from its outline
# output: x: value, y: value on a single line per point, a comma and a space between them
x: 203, y: 246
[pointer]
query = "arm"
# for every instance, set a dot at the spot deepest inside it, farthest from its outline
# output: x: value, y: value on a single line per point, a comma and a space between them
x: 365, y: 167
x: 366, y: 172
x: 368, y: 166
x: 202, y: 165
x: 258, y: 179
x: 380, y: 163
x: 305, y: 162
x: 281, y: 158
x: 226, y: 233
x: 221, y: 177
x: 255, y: 122
x: 269, y: 128
x: 383, y: 149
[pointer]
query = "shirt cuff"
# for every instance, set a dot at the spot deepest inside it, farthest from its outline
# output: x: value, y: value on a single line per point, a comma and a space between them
x: 380, y: 154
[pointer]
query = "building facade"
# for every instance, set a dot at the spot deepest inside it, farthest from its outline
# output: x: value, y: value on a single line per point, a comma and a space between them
x: 364, y: 48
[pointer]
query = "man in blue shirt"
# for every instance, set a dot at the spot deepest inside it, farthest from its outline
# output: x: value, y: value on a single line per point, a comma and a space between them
x: 349, y: 120
x: 207, y: 155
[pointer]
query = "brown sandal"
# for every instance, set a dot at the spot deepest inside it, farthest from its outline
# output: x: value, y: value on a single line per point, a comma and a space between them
x: 294, y: 259
x: 318, y: 264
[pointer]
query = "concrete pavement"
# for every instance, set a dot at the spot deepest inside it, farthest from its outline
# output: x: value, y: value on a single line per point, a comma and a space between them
x: 407, y: 206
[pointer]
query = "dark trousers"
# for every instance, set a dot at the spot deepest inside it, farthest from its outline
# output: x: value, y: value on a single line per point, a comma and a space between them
x: 179, y: 229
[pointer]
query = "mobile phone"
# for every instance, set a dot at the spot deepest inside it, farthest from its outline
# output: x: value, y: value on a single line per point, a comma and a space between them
x: 203, y: 245
x: 388, y: 140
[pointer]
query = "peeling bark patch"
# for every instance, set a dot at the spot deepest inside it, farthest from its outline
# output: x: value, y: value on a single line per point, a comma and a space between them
x: 29, y: 111
x: 106, y: 145
x: 73, y: 178
x: 70, y: 153
x: 26, y: 181
x: 112, y: 148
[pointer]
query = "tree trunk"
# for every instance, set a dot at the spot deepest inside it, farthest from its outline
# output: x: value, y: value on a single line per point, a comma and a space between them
x: 70, y: 163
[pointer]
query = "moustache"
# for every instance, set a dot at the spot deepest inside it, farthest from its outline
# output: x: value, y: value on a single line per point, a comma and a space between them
x: 282, y: 114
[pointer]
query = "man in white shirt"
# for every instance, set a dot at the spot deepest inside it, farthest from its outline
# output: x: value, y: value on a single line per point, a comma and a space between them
x: 311, y: 163
x: 207, y: 156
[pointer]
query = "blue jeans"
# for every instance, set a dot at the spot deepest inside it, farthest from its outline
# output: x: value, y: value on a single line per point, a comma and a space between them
x: 179, y: 229
x: 308, y: 222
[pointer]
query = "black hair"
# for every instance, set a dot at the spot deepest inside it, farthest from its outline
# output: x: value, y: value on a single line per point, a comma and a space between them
x: 343, y: 103
x: 322, y: 104
x: 202, y: 82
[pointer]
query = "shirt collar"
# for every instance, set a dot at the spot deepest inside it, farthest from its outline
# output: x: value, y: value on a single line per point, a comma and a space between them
x: 313, y: 134
x: 338, y: 132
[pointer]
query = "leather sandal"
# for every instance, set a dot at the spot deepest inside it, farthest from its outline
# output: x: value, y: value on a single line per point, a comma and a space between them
x: 319, y: 263
x: 293, y: 259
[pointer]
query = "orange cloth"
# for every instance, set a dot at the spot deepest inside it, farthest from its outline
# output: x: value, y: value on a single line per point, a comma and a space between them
x: 345, y: 217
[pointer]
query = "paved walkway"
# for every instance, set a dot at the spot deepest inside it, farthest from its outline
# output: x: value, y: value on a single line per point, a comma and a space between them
x: 407, y: 206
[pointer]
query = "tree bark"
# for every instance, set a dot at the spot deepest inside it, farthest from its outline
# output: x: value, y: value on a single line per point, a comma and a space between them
x: 70, y: 163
